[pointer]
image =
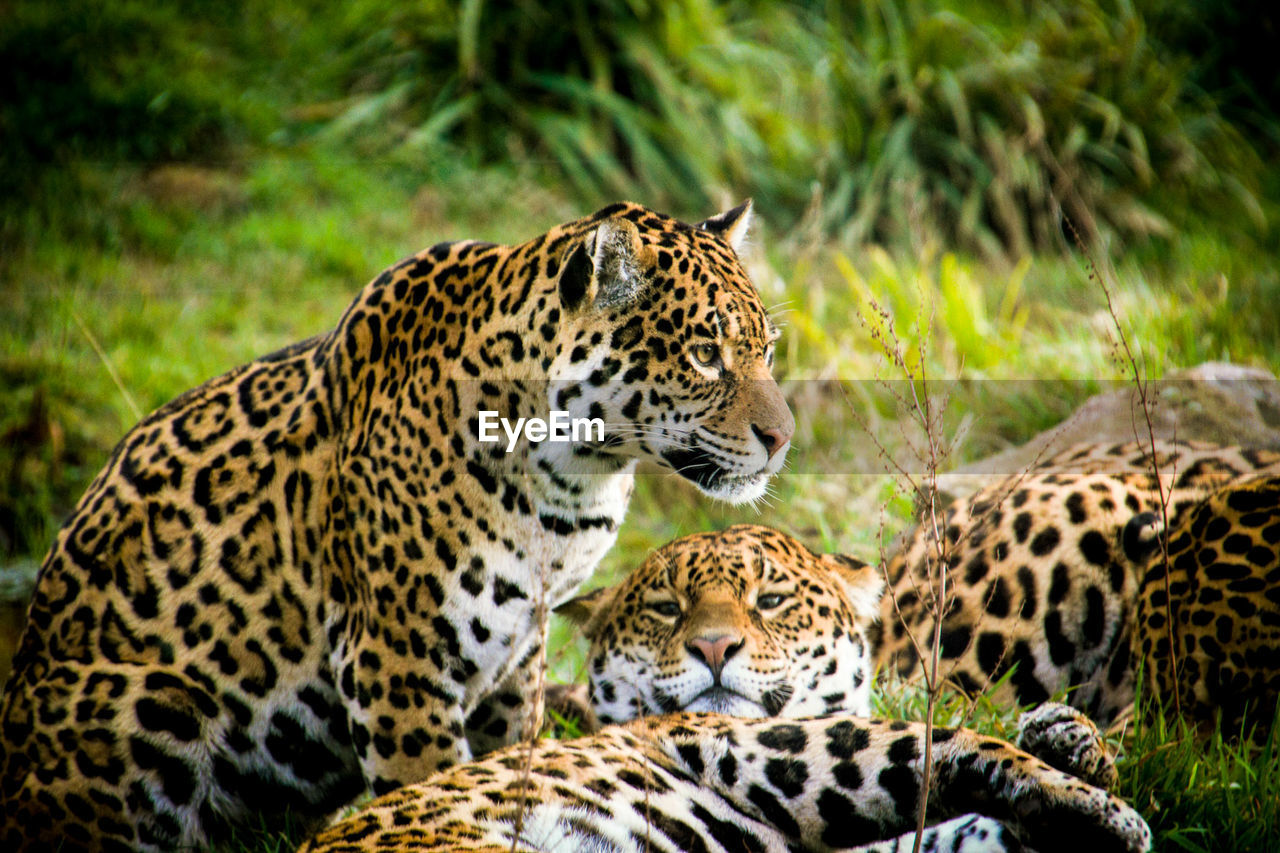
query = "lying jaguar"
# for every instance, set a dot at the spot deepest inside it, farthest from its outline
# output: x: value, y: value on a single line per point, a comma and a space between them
x: 750, y: 622
x: 311, y: 576
x: 1049, y: 570
x: 1207, y: 624
x: 711, y: 782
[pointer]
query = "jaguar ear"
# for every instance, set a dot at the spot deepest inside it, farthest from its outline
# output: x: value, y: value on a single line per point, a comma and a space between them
x: 605, y: 270
x: 730, y: 226
x: 862, y: 582
x: 585, y: 610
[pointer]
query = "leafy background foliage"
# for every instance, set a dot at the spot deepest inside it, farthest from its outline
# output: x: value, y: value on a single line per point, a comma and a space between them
x: 975, y: 121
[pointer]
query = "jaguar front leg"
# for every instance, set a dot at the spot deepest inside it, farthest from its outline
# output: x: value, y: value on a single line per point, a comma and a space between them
x: 404, y: 725
x: 1065, y: 738
x: 512, y: 711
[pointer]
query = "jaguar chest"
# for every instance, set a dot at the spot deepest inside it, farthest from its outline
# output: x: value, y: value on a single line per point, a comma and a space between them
x: 498, y: 599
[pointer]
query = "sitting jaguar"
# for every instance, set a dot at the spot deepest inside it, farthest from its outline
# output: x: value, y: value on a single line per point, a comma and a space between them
x: 311, y: 576
x: 1046, y: 572
x: 712, y: 782
x: 1216, y: 596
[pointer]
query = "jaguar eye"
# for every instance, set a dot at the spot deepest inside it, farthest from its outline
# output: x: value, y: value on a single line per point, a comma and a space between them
x: 706, y: 355
x: 667, y: 609
x: 770, y: 600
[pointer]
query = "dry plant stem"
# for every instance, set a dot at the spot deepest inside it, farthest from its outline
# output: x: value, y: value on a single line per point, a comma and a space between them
x: 884, y: 560
x: 647, y: 786
x: 110, y: 368
x: 533, y: 725
x: 942, y: 547
x: 920, y: 408
x: 1142, y: 387
x: 932, y: 683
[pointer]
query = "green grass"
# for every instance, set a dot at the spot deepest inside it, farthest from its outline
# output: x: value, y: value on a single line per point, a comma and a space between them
x: 1202, y: 796
x: 978, y: 121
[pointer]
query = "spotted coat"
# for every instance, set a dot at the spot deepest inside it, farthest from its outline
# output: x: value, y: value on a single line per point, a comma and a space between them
x: 309, y: 577
x: 1216, y: 596
x: 1041, y: 576
x: 707, y: 782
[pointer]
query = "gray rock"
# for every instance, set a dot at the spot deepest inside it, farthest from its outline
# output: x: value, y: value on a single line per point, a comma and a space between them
x: 1216, y: 401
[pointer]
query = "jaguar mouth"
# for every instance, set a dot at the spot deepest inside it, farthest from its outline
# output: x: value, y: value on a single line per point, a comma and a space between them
x: 719, y: 700
x: 701, y: 468
x: 695, y: 465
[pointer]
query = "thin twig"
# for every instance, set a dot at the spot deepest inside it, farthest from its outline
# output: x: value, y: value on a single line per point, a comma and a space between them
x: 1142, y: 385
x: 111, y: 370
x: 917, y: 402
x: 533, y: 723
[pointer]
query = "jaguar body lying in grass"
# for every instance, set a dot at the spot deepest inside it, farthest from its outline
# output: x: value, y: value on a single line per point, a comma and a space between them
x: 751, y: 622
x: 1056, y: 574
x: 711, y: 782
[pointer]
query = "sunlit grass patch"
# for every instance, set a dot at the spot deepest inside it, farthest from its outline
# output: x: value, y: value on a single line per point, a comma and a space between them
x: 900, y: 700
x: 1202, y: 794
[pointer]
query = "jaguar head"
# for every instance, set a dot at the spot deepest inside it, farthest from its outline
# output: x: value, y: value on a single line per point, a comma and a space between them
x: 664, y: 339
x: 747, y: 622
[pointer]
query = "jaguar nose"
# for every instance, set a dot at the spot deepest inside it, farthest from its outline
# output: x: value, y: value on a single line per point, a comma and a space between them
x: 774, y: 438
x: 714, y: 651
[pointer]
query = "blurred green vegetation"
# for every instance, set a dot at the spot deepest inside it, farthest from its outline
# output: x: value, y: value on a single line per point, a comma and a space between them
x: 186, y: 186
x: 980, y: 123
